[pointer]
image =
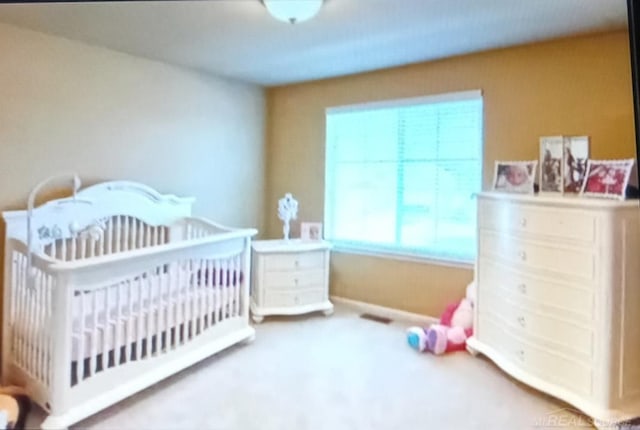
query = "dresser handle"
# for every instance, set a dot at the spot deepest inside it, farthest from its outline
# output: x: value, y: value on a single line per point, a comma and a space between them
x: 523, y: 256
x: 523, y: 222
x: 522, y: 321
x: 523, y: 288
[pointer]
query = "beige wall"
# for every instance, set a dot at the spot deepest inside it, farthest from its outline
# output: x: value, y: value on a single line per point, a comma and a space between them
x: 65, y: 105
x: 571, y: 86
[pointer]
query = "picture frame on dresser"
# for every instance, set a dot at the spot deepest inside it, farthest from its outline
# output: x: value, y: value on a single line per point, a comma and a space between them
x: 575, y: 156
x: 607, y: 178
x: 515, y: 176
x: 551, y: 164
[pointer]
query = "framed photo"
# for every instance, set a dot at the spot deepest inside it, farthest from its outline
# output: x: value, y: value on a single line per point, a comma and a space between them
x: 574, y: 165
x: 515, y: 176
x: 311, y: 231
x: 551, y: 162
x: 607, y: 178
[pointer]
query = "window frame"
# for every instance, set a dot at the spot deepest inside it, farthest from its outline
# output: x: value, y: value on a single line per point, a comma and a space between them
x: 392, y: 252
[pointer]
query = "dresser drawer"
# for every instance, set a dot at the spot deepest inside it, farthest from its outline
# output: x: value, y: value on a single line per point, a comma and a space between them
x: 543, y: 363
x: 561, y: 334
x: 562, y: 299
x: 294, y: 261
x: 572, y: 224
x: 283, y: 299
x: 294, y: 279
x: 572, y: 262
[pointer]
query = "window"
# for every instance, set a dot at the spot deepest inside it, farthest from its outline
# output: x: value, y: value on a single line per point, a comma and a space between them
x: 400, y: 176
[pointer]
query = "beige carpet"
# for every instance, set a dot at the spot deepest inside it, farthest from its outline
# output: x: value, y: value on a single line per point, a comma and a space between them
x: 335, y: 373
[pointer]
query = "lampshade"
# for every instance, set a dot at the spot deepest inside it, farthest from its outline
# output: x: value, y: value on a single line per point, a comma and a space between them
x: 293, y: 10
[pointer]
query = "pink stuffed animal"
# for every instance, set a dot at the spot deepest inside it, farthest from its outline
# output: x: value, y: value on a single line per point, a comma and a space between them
x: 456, y: 325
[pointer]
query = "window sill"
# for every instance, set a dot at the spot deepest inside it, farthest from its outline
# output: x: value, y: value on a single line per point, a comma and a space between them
x: 413, y: 258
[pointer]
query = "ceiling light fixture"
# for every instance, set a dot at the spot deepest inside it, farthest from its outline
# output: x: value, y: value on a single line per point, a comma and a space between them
x: 293, y: 11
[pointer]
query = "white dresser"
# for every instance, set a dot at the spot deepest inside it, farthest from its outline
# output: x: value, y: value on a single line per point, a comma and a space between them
x: 558, y: 300
x: 289, y: 277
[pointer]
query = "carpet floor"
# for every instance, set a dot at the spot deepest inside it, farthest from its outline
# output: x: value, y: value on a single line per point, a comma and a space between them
x: 337, y: 373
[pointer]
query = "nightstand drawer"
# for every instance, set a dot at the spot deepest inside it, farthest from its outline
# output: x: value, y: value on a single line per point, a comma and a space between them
x: 294, y: 279
x: 294, y: 261
x: 283, y: 299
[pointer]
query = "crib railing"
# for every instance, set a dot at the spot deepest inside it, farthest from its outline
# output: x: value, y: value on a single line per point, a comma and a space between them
x: 119, y: 233
x: 30, y: 342
x: 153, y: 312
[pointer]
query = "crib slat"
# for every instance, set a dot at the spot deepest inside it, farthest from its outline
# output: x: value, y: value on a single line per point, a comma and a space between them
x: 42, y: 327
x: 126, y: 242
x: 31, y: 327
x: 22, y: 310
x: 171, y: 284
x: 236, y: 285
x: 155, y: 236
x: 74, y: 246
x: 160, y: 309
x: 200, y: 295
x: 63, y: 249
x: 128, y: 339
x: 134, y: 233
x: 139, y: 316
x: 116, y: 325
x: 80, y: 365
x: 109, y: 241
x: 93, y: 334
x: 49, y: 314
x: 18, y: 293
x: 49, y: 338
x: 162, y: 233
x: 180, y: 303
x: 149, y: 309
x: 216, y: 277
x: 92, y: 247
x: 105, y: 330
x: 83, y: 247
x: 147, y: 234
x: 209, y: 293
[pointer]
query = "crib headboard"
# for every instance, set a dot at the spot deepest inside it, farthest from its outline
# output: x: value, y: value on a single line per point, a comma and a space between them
x: 94, y: 204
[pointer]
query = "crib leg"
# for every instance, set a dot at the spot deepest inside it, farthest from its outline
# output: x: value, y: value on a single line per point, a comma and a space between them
x: 54, y: 423
x: 257, y: 318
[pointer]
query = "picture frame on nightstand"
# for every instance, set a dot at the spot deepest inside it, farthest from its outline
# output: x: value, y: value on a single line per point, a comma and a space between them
x: 311, y: 231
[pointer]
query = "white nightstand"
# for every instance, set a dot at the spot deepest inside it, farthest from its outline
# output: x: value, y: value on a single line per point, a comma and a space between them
x: 289, y: 278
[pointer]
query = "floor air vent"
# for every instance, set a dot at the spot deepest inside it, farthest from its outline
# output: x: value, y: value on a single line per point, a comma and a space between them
x: 376, y: 318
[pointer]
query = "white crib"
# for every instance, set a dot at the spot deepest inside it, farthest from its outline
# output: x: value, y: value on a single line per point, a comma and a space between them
x: 126, y: 289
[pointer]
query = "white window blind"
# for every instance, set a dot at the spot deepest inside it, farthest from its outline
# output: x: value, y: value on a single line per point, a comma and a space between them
x: 400, y: 176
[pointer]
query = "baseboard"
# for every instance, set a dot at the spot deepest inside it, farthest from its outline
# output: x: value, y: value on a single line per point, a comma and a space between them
x: 394, y: 314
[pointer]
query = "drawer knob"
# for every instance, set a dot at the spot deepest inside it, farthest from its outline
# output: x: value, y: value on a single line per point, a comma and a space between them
x: 295, y: 281
x: 523, y: 222
x: 523, y: 288
x: 296, y: 263
x: 522, y: 322
x: 520, y: 354
x: 523, y: 256
x: 295, y: 299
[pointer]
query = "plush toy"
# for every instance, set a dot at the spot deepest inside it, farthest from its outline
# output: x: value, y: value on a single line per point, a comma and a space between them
x: 455, y: 326
x: 14, y: 407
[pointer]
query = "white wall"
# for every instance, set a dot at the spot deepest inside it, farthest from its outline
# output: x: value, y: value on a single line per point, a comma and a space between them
x: 66, y: 105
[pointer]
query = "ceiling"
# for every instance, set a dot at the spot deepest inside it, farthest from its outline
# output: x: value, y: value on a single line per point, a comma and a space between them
x: 238, y: 39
